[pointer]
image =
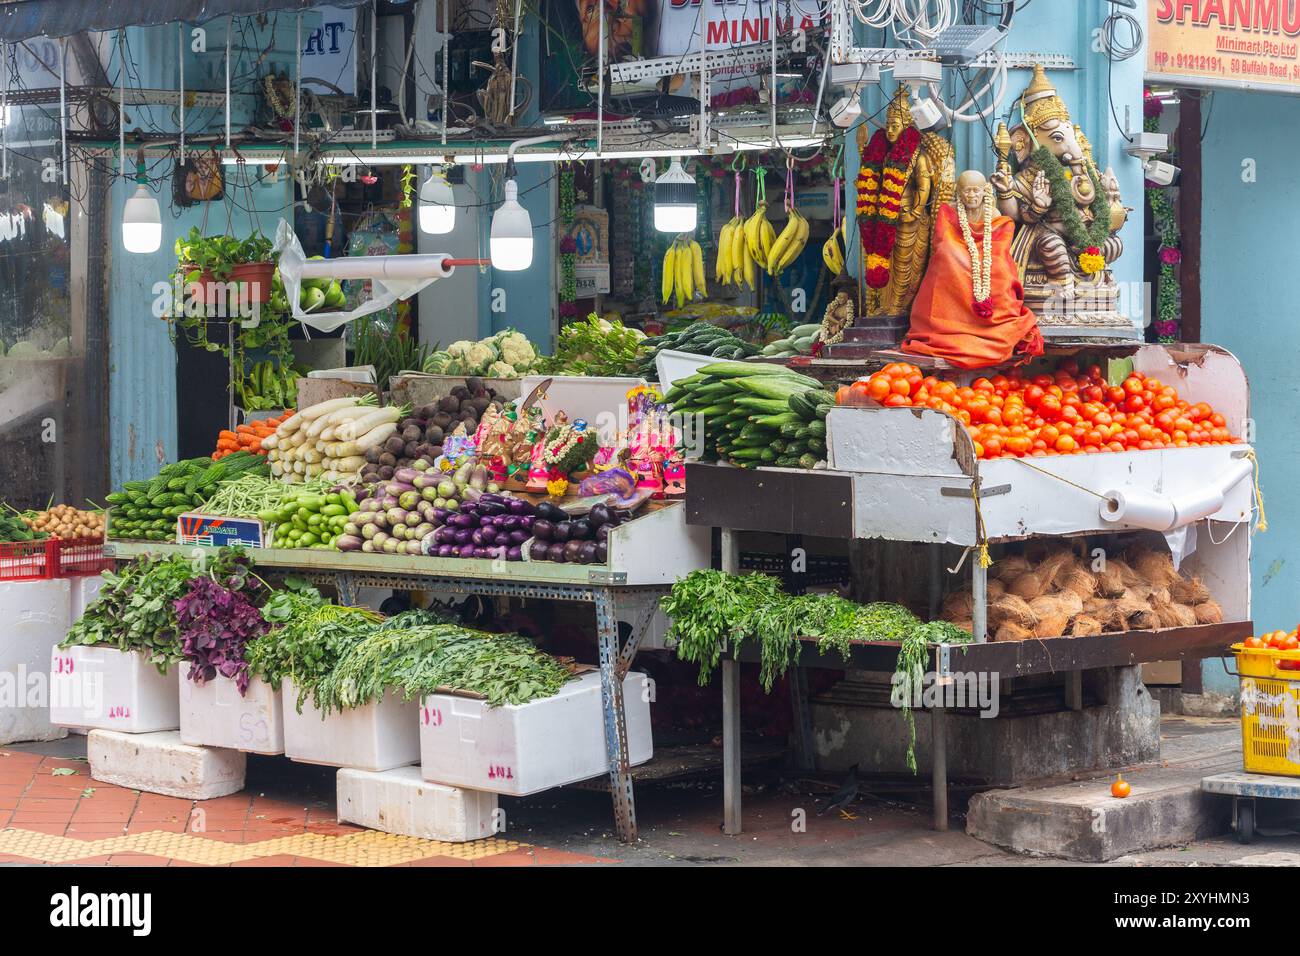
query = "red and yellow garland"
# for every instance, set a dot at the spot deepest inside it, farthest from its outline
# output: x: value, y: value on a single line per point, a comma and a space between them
x: 882, y: 178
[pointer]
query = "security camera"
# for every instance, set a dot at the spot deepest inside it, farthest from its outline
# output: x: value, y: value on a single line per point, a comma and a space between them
x: 1147, y: 146
x: 1160, y: 173
x: 846, y: 110
x: 927, y: 115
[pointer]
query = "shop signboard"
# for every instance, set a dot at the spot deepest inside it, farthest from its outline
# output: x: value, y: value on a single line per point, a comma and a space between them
x: 1242, y: 44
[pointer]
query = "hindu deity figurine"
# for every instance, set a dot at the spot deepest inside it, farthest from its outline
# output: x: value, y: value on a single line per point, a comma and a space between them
x: 1068, y: 217
x: 903, y: 175
x: 970, y: 310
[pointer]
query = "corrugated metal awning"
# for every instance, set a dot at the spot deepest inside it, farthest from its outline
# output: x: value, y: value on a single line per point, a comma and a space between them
x: 23, y: 19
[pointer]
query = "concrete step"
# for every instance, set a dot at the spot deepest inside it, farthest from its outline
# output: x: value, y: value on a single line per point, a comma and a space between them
x: 1080, y: 820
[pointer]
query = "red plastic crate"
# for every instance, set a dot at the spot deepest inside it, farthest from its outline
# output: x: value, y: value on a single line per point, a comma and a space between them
x: 28, y: 560
x: 79, y: 557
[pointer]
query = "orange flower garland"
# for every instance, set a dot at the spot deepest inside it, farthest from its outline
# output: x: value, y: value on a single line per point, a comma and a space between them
x: 882, y: 178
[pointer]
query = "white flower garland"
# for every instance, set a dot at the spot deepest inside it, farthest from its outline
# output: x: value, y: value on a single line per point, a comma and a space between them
x: 981, y: 260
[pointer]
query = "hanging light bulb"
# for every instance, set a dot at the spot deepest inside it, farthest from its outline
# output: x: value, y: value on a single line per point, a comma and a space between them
x: 675, y: 200
x: 511, y: 240
x: 141, y: 219
x: 437, y: 204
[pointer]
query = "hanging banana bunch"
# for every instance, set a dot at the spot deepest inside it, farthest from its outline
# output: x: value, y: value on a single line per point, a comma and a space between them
x: 683, y: 272
x: 788, y: 246
x: 834, y: 247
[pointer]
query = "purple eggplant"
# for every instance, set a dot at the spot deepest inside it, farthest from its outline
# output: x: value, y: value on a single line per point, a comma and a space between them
x: 587, y: 552
x: 348, y: 542
x: 573, y: 551
x: 514, y: 554
x: 555, y: 553
x: 537, y: 551
x: 580, y: 530
x: 543, y: 530
x: 562, y: 531
x: 602, y: 533
x: 518, y: 506
x: 518, y: 536
x: 467, y: 550
x: 599, y: 515
x: 602, y: 552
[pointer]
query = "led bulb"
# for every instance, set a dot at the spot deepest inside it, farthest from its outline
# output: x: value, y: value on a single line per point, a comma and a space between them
x: 437, y: 205
x: 675, y: 198
x: 511, y: 238
x: 141, y: 222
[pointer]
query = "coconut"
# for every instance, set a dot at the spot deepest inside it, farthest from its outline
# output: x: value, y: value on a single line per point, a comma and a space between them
x: 1208, y: 612
x: 1053, y: 565
x: 1027, y: 586
x: 1064, y: 604
x: 1053, y: 625
x: 1011, y: 631
x: 1009, y: 607
x: 995, y: 589
x: 957, y: 606
x: 1125, y: 571
x: 1189, y: 591
x: 1078, y: 580
x: 1110, y: 580
x: 1008, y: 568
x: 1155, y: 568
x: 1085, y: 625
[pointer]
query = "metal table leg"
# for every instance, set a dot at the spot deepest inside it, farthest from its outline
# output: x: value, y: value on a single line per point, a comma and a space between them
x: 611, y: 693
x: 731, y: 747
x: 939, y: 766
x: 730, y: 710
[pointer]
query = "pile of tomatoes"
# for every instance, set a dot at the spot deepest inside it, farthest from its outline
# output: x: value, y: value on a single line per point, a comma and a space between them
x: 1275, y: 640
x: 1071, y: 412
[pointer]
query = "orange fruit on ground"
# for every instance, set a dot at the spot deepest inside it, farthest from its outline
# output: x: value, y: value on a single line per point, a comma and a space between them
x: 1120, y: 788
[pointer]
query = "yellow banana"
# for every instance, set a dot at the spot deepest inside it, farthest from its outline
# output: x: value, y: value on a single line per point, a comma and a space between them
x: 739, y: 251
x: 722, y: 269
x: 754, y: 235
x: 751, y: 271
x: 697, y: 270
x: 685, y: 289
x: 795, y: 248
x: 767, y: 236
x: 670, y: 272
x: 831, y: 254
x: 782, y: 244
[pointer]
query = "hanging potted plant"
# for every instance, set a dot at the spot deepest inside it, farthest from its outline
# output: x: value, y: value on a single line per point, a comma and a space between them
x: 205, y: 261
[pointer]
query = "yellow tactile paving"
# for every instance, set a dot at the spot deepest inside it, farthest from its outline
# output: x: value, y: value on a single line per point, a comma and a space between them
x: 366, y: 848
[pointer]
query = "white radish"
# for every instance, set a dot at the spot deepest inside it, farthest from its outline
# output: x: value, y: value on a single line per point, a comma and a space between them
x: 314, y: 412
x: 289, y: 425
x: 366, y: 423
x: 270, y: 441
x: 353, y: 463
x: 375, y: 437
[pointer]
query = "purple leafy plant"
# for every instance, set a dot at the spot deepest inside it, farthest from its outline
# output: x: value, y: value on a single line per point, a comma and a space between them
x: 216, y: 623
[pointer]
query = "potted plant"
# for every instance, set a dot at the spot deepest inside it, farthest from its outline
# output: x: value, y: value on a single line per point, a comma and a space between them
x: 202, y: 261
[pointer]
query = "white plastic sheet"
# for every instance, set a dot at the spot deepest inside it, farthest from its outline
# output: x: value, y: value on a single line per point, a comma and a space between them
x: 398, y: 278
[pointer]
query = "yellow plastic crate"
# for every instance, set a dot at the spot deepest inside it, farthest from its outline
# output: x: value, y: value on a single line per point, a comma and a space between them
x: 1270, y: 709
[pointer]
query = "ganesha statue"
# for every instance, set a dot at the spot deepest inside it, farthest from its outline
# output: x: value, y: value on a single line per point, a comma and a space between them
x: 1068, y: 216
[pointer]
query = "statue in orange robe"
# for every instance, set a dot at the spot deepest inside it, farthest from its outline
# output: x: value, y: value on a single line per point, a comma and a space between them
x: 949, y: 321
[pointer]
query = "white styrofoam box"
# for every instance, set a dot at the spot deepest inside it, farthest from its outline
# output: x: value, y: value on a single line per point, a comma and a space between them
x: 658, y: 546
x: 101, y: 687
x: 598, y: 401
x: 84, y: 592
x: 673, y: 365
x: 400, y: 801
x: 902, y: 459
x: 159, y: 763
x: 36, y: 617
x: 215, y: 714
x: 379, y: 736
x: 526, y: 748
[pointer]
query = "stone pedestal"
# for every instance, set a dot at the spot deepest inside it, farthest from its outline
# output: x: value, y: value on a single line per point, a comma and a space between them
x: 1088, y: 314
x: 160, y: 763
x: 1034, y: 735
x: 869, y: 334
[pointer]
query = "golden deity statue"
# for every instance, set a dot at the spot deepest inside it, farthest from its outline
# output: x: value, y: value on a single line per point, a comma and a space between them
x: 904, y: 175
x: 1068, y: 217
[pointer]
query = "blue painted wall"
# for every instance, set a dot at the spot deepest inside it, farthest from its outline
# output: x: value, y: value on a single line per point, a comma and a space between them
x: 142, y: 360
x: 1249, y: 287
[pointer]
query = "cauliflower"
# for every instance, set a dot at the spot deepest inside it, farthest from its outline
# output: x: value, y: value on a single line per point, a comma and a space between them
x: 437, y: 362
x: 501, y: 370
x: 480, y: 356
x: 518, y: 351
x: 460, y: 350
